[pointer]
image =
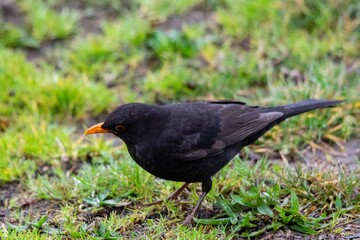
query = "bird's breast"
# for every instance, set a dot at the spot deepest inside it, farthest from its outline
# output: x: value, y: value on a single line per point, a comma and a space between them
x: 164, y: 166
x: 143, y: 157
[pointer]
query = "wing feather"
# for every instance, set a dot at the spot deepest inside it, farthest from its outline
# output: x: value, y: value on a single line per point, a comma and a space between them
x: 207, y: 129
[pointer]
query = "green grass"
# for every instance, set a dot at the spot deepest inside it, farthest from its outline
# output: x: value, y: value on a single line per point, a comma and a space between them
x: 65, y: 66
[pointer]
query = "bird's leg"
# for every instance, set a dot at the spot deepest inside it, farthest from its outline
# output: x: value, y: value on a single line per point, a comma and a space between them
x: 173, y: 196
x: 206, y: 187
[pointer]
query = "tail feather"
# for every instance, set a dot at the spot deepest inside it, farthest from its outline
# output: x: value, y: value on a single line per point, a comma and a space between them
x: 304, y: 106
x: 289, y: 111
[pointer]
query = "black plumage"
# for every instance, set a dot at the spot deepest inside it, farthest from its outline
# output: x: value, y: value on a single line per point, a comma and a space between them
x: 190, y: 142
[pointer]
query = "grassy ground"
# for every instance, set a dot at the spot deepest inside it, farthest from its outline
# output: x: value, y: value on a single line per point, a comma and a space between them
x: 65, y: 64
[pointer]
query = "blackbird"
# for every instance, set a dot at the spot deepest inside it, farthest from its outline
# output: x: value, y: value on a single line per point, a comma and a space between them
x: 190, y: 142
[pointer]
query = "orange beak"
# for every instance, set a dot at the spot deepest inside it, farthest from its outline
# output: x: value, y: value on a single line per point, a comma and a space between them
x: 96, y: 129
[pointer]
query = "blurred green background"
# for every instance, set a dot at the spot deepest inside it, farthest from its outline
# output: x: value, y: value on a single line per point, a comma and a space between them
x: 66, y: 64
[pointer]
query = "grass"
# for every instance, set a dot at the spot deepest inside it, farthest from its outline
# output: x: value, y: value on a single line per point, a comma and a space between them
x: 64, y: 66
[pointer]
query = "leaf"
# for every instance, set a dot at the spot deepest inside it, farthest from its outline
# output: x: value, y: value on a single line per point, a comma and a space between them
x: 283, y: 214
x: 226, y: 207
x: 92, y: 201
x: 265, y: 210
x: 274, y: 226
x: 104, y: 195
x: 245, y: 220
x: 239, y: 200
x: 294, y: 202
x: 110, y: 202
x: 19, y: 228
x: 338, y: 202
x: 51, y: 230
x: 40, y: 222
x: 303, y: 229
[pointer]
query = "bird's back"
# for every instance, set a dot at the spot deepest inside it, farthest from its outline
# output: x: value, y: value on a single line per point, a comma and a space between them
x: 195, y: 140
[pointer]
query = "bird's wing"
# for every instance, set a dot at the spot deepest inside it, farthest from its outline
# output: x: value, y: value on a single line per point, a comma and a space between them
x: 192, y: 132
x: 240, y: 121
x: 206, y: 129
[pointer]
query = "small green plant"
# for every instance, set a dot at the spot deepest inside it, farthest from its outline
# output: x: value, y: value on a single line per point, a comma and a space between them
x: 98, y: 230
x: 39, y: 225
x: 101, y: 200
x: 171, y: 82
x: 46, y: 24
x: 13, y: 36
x: 168, y: 45
x: 130, y: 30
x: 163, y: 8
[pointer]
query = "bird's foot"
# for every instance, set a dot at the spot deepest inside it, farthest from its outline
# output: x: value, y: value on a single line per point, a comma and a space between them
x: 189, y: 218
x: 188, y: 221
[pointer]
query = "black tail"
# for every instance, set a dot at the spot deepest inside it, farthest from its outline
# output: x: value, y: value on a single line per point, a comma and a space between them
x: 289, y: 111
x: 304, y: 106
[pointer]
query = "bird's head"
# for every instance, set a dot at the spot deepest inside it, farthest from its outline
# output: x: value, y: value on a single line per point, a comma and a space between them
x: 128, y: 120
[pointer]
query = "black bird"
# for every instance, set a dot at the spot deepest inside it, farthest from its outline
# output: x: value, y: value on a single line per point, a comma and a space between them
x: 190, y: 142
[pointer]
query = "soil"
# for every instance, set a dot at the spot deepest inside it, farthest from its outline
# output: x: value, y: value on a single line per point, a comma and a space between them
x: 11, y: 13
x: 32, y: 207
x: 195, y: 15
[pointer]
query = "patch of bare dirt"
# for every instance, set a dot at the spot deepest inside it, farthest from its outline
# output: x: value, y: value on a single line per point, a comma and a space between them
x: 349, y: 231
x: 7, y: 191
x: 327, y: 158
x: 91, y: 23
x: 39, y: 207
x: 88, y: 215
x: 29, y: 206
x: 347, y: 157
x: 176, y: 22
x: 10, y: 12
x: 66, y: 164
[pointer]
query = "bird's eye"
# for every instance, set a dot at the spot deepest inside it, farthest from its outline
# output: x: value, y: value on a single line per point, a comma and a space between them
x: 120, y: 128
